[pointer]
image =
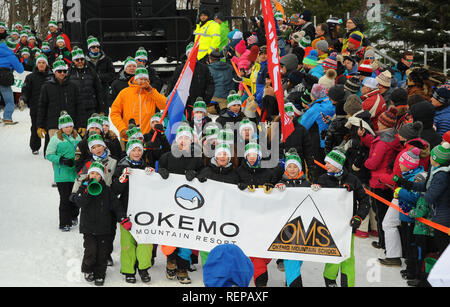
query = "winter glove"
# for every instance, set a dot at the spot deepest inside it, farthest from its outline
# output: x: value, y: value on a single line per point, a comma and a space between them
x: 81, y: 131
x: 242, y: 186
x: 190, y: 175
x: 315, y: 187
x: 251, y: 188
x: 281, y: 187
x: 41, y: 132
x: 237, y: 79
x: 405, y: 207
x: 149, y: 170
x: 348, y: 187
x: 66, y: 162
x: 396, y: 192
x: 164, y: 173
x: 202, y: 178
x: 355, y: 222
x: 268, y: 187
x: 402, y: 182
x: 124, y: 177
x: 159, y: 128
x: 125, y: 222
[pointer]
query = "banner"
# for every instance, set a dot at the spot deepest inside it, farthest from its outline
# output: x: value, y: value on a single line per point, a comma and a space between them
x: 19, y: 80
x: 273, y: 63
x: 297, y: 224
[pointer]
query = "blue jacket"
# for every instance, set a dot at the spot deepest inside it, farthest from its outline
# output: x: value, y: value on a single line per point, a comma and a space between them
x: 437, y: 193
x: 261, y: 82
x: 222, y: 74
x: 313, y: 115
x: 317, y: 71
x: 399, y: 76
x: 9, y: 60
x: 409, y: 198
x: 442, y: 121
x: 227, y: 266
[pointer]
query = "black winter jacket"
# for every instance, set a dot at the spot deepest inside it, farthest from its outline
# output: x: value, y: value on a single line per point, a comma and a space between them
x: 90, y: 88
x: 335, y: 133
x: 31, y: 89
x: 182, y: 164
x: 361, y: 204
x: 222, y: 174
x: 98, y: 212
x: 255, y: 176
x: 155, y: 150
x: 56, y: 97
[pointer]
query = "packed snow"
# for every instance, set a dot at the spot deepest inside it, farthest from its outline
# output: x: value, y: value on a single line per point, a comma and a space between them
x: 34, y: 252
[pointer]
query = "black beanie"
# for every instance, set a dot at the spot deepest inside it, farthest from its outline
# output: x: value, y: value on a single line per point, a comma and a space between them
x: 411, y: 131
x: 337, y: 93
x: 399, y: 97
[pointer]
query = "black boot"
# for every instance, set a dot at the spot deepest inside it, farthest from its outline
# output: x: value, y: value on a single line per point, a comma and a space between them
x: 99, y: 281
x: 145, y: 277
x: 394, y: 262
x: 330, y: 283
x: 129, y: 278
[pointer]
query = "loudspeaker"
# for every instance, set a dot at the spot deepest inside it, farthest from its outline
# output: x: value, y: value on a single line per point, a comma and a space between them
x: 214, y: 6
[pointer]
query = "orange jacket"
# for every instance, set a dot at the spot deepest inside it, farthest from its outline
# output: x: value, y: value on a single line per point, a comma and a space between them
x: 137, y: 103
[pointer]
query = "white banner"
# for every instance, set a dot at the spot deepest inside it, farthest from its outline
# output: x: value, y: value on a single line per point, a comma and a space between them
x: 297, y: 224
x: 19, y: 79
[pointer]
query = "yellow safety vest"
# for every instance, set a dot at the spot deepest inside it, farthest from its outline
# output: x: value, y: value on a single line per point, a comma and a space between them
x: 209, y: 38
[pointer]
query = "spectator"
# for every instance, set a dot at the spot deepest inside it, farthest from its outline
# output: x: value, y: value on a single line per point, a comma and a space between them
x: 441, y: 102
x: 222, y: 74
x: 210, y: 34
x: 54, y: 32
x: 122, y: 79
x: 402, y: 66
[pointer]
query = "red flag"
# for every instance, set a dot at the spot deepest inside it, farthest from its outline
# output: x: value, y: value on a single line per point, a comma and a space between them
x: 273, y: 61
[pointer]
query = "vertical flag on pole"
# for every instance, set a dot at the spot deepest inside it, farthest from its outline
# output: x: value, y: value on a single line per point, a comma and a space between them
x: 273, y: 61
x: 178, y: 97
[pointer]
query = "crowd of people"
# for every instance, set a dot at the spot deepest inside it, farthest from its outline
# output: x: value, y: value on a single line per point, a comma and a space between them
x: 381, y: 128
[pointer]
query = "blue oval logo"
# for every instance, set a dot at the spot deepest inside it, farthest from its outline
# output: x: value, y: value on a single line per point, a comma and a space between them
x: 189, y: 198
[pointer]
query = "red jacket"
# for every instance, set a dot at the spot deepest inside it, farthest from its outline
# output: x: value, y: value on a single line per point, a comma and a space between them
x: 374, y: 103
x: 424, y: 160
x: 383, y: 150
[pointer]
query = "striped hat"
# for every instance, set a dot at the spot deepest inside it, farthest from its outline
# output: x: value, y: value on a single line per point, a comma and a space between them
x: 129, y: 61
x: 97, y: 167
x: 292, y: 157
x: 355, y: 39
x: 211, y: 131
x: 77, y: 53
x: 156, y: 117
x: 352, y: 85
x: 306, y: 97
x: 246, y: 124
x: 92, y: 41
x: 311, y: 59
x: 442, y: 95
x: 52, y: 23
x: 134, y: 133
x: 410, y: 158
x: 42, y: 57
x: 59, y: 64
x: 141, y: 72
x: 222, y: 147
x: 289, y: 109
x: 3, y: 25
x: 132, y: 144
x: 199, y: 106
x: 441, y: 153
x: 23, y: 33
x: 65, y: 120
x: 233, y: 99
x: 336, y: 158
x: 365, y: 69
x: 384, y: 78
x: 253, y: 148
x: 13, y: 31
x: 330, y: 62
x: 184, y: 130
x: 25, y: 50
x: 225, y: 136
x: 141, y: 54
x: 105, y: 120
x: 45, y: 46
x: 94, y: 122
x: 95, y: 139
x: 389, y: 117
x: 189, y: 47
x: 60, y: 39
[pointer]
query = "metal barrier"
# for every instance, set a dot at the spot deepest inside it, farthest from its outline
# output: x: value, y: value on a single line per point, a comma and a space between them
x: 443, y: 50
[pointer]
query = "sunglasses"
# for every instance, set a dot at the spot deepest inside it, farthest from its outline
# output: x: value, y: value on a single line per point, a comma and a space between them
x: 62, y: 71
x: 95, y: 47
x: 78, y: 60
x: 141, y: 61
x: 369, y: 58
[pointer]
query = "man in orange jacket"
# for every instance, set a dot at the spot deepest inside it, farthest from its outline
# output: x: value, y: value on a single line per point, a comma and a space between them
x: 139, y: 102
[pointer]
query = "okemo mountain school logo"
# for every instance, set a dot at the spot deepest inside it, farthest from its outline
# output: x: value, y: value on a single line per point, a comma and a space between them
x: 317, y: 240
x: 189, y: 198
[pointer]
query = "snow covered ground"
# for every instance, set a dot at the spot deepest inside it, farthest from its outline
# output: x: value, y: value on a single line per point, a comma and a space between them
x: 33, y: 252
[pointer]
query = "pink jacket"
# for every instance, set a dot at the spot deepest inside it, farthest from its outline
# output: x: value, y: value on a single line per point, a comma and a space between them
x: 243, y: 62
x: 383, y: 150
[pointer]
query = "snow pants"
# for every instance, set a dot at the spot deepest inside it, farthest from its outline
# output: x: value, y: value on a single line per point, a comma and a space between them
x: 133, y: 255
x: 292, y: 272
x: 96, y: 252
x: 390, y: 225
x: 347, y: 268
x: 67, y: 210
x: 260, y: 276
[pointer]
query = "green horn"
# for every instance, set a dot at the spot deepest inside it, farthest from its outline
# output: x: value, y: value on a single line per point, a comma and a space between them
x: 94, y: 188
